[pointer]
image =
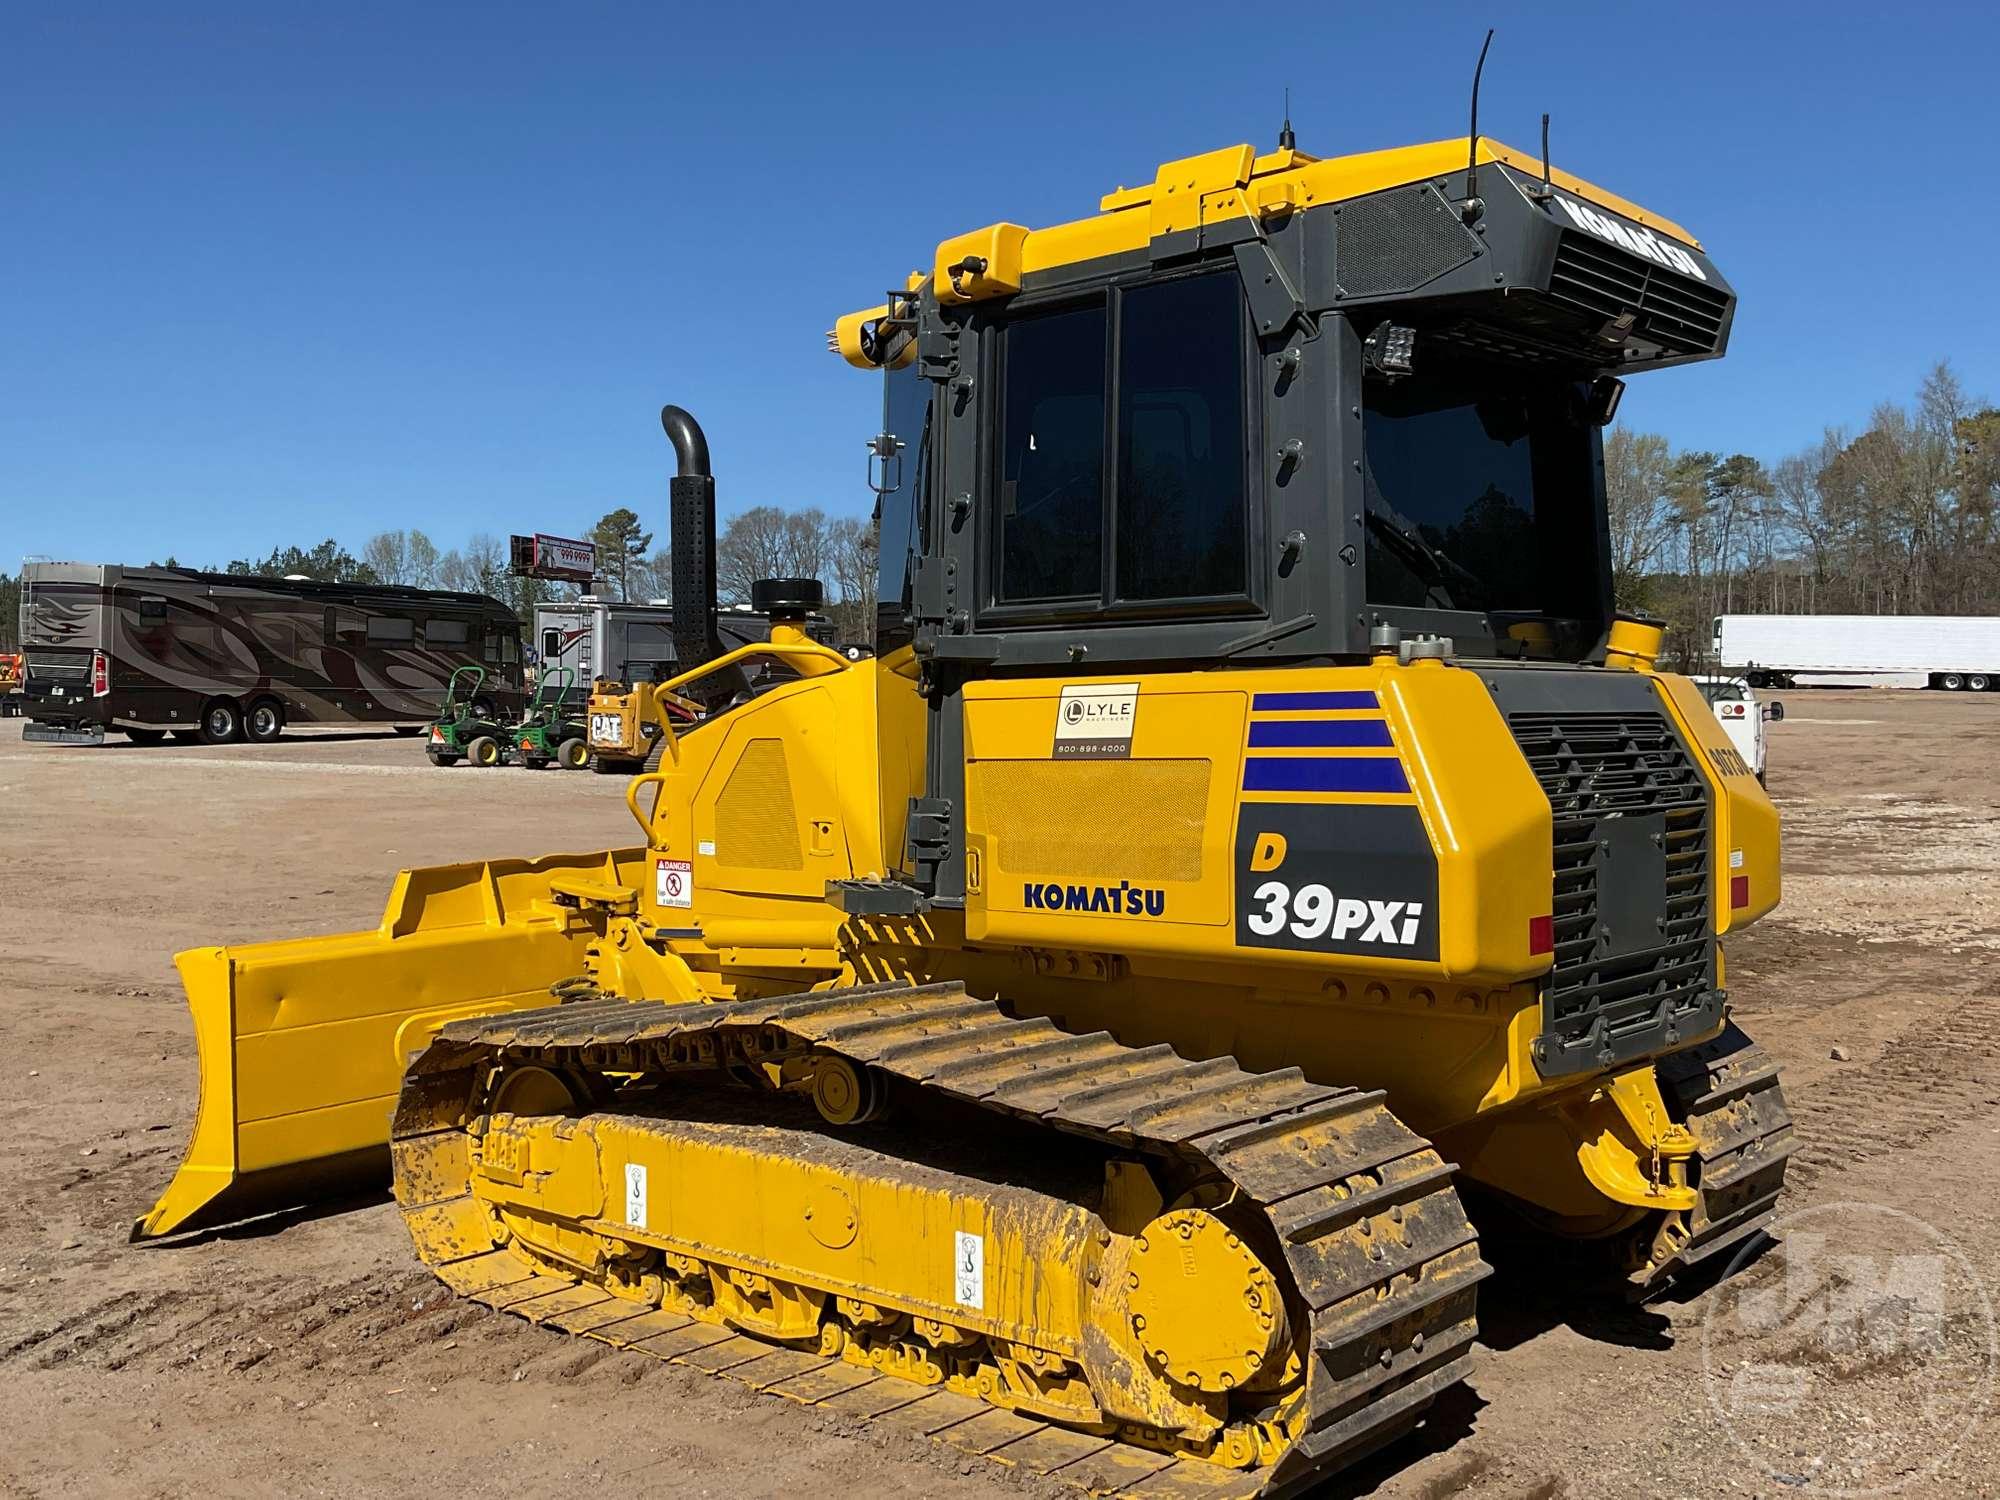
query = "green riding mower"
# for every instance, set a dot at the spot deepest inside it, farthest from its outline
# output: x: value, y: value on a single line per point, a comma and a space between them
x: 466, y: 728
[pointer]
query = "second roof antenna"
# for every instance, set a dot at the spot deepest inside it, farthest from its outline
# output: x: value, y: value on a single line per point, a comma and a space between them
x: 1472, y: 208
x: 1286, y: 140
x: 1545, y: 192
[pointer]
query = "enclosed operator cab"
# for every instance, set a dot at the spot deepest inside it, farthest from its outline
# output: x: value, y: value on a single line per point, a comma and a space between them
x: 1267, y: 413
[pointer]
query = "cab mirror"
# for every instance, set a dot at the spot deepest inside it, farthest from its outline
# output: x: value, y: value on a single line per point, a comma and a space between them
x: 1775, y: 712
x: 1605, y: 392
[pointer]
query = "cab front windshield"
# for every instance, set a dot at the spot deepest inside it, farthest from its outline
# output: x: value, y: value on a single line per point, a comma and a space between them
x: 1482, y: 498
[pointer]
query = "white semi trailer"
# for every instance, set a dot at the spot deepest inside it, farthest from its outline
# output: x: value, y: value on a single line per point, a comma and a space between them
x: 1942, y: 651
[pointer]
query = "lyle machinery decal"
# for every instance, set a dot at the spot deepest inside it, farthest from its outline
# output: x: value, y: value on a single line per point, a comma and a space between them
x: 1094, y: 721
x: 1336, y: 878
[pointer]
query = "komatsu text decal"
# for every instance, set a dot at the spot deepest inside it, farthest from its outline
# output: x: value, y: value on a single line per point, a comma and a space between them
x: 1121, y: 900
x: 1641, y: 242
x: 1336, y: 878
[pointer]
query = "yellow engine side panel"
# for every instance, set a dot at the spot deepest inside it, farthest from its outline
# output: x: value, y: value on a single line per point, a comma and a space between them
x: 763, y: 806
x: 1372, y: 819
x: 1746, y: 824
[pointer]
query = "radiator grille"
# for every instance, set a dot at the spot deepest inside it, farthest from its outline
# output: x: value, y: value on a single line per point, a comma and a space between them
x: 756, y: 821
x: 1622, y: 784
x: 1122, y: 819
x: 1676, y: 312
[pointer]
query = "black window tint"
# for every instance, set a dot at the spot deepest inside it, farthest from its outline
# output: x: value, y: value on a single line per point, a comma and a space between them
x: 1052, y: 457
x: 1479, y: 494
x: 390, y: 630
x: 152, y: 611
x: 1182, y: 506
x: 444, y: 632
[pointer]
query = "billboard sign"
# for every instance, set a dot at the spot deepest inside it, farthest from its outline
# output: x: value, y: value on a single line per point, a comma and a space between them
x: 561, y: 558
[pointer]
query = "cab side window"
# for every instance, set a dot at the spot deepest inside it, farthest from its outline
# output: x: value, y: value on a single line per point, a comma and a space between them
x: 1182, y: 448
x: 1124, y: 473
x: 1052, y: 457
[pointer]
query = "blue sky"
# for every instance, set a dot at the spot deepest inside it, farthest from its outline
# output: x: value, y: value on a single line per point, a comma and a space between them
x: 270, y: 272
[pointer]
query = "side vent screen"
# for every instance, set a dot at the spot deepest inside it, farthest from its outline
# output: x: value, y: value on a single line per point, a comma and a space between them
x: 1099, y: 820
x: 756, y: 822
x: 1397, y: 241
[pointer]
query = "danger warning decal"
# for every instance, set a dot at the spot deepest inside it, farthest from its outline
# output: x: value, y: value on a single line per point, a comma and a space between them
x: 673, y: 883
x: 1336, y: 878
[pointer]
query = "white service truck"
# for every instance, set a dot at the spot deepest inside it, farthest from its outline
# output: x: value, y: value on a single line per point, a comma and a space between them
x: 1742, y: 715
x: 1943, y: 651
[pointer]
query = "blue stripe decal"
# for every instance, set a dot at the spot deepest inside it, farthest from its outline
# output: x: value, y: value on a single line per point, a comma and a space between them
x: 1373, y: 773
x: 1264, y: 703
x: 1298, y: 734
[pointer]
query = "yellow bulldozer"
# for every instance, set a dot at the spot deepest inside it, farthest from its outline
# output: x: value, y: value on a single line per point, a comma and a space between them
x: 1069, y: 1030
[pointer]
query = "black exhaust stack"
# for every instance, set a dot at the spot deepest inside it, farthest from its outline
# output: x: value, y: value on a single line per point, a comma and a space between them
x: 692, y: 495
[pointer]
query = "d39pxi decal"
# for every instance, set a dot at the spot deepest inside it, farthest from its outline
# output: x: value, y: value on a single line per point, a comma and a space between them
x: 1331, y: 878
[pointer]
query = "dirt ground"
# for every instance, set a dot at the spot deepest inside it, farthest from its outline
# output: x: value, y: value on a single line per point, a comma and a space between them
x: 313, y: 1356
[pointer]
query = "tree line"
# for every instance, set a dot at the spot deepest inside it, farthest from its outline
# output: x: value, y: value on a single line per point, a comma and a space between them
x: 1897, y: 519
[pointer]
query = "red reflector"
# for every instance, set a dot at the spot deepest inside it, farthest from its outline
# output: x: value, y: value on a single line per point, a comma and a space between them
x: 1739, y: 892
x: 100, y: 674
x: 1541, y: 934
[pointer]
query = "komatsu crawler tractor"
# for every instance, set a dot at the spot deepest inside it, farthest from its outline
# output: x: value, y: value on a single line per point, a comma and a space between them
x: 1069, y: 1031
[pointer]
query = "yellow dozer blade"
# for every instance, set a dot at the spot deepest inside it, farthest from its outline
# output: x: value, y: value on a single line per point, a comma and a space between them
x: 303, y: 1043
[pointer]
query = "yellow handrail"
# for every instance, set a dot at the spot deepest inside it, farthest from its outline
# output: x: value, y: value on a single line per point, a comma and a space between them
x: 632, y: 800
x: 809, y: 658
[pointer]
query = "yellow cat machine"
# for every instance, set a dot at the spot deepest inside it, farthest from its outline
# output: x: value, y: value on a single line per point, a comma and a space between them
x: 627, y: 718
x: 626, y: 724
x: 1065, y: 1032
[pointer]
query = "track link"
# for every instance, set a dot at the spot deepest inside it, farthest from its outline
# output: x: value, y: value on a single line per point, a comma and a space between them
x: 1380, y: 1254
x: 1726, y: 1092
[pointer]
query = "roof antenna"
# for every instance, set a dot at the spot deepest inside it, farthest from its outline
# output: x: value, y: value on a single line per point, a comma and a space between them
x: 1546, y: 192
x: 1286, y: 140
x: 1472, y: 208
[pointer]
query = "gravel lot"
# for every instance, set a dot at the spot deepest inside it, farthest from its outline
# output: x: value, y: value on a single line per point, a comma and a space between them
x: 314, y: 1356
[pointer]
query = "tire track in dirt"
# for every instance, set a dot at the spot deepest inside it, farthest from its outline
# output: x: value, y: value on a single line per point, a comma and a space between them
x: 1932, y: 1078
x: 288, y: 1324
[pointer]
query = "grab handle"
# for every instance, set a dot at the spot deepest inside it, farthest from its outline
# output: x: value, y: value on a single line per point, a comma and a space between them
x: 644, y: 820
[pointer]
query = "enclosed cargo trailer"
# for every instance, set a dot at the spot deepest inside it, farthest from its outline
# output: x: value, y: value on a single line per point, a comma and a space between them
x: 1955, y: 652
